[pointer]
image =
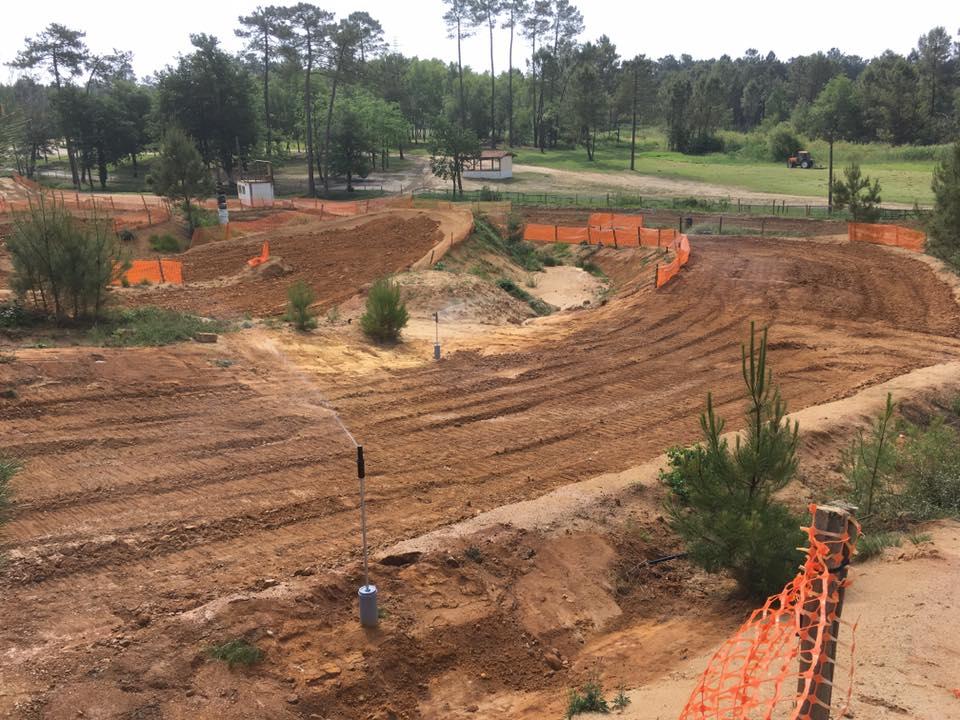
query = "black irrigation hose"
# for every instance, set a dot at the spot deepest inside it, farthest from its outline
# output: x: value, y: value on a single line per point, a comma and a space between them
x: 666, y: 558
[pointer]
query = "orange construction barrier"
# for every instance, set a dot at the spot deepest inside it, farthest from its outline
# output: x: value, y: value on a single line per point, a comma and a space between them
x: 656, y: 237
x: 615, y: 221
x: 887, y: 235
x: 779, y: 659
x: 681, y: 250
x: 602, y: 237
x: 540, y: 233
x: 161, y: 270
x: 262, y: 257
x: 573, y: 235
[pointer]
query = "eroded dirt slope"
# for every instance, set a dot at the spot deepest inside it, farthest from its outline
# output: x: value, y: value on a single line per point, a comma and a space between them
x: 160, y: 479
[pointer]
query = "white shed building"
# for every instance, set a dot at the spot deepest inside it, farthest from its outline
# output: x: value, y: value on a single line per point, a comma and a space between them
x: 491, y: 165
x: 255, y: 186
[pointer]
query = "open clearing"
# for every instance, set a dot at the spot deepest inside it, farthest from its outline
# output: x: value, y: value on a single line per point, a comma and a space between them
x: 173, y: 498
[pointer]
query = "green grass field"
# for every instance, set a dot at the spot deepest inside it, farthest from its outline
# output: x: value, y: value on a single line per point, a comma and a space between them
x: 904, y: 173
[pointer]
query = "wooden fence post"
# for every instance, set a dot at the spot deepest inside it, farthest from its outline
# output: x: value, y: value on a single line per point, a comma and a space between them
x: 763, y: 222
x: 720, y: 231
x: 833, y: 525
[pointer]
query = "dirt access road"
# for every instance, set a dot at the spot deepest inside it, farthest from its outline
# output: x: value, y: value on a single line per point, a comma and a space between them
x: 159, y: 480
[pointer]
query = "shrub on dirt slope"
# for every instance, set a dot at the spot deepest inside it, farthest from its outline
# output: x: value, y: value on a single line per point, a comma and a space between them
x: 730, y: 519
x: 386, y: 314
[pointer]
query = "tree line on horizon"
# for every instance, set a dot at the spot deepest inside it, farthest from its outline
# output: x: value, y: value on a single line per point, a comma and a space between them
x: 332, y: 89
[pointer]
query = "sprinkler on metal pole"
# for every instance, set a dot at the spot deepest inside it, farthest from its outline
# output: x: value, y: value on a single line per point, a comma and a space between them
x: 436, y: 344
x: 368, y: 592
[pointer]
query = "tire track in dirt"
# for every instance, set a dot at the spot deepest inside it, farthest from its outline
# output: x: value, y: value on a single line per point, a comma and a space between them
x: 203, y: 487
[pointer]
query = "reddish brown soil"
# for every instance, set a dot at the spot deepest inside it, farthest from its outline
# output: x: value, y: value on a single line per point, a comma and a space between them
x: 336, y: 263
x: 157, y: 480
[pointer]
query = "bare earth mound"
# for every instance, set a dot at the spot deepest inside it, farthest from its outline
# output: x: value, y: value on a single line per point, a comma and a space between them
x: 335, y: 262
x: 158, y: 480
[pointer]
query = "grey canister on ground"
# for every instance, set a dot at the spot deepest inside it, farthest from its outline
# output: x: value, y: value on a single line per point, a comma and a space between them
x: 368, y: 605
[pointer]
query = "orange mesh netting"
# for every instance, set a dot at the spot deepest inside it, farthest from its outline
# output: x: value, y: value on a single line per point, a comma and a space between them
x: 262, y: 257
x: 540, y: 233
x: 887, y: 235
x: 681, y: 249
x: 153, y: 271
x: 602, y: 237
x: 615, y: 221
x: 656, y: 237
x: 779, y: 664
x: 573, y: 235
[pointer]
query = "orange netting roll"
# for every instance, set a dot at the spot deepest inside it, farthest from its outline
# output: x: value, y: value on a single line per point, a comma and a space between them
x: 262, y: 257
x: 887, y: 235
x: 780, y: 663
x: 153, y: 271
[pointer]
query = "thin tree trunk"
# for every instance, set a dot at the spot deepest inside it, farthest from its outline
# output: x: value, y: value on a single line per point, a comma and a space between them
x: 266, y: 89
x: 633, y: 128
x: 493, y: 89
x: 326, y: 137
x: 463, y: 107
x: 308, y: 115
x: 510, y: 86
x: 830, y: 184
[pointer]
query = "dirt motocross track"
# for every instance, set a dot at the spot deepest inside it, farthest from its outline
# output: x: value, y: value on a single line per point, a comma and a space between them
x: 157, y: 480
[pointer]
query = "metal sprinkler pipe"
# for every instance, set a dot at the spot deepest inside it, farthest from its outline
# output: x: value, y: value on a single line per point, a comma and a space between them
x: 369, y: 615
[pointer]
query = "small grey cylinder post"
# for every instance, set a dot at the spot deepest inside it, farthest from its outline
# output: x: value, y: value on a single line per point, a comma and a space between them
x: 436, y: 344
x: 369, y: 615
x: 367, y: 593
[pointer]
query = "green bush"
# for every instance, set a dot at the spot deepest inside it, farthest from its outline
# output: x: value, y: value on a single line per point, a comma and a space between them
x: 869, y: 461
x: 13, y: 314
x: 164, y: 243
x: 783, y: 142
x: 299, y: 299
x: 872, y: 545
x: 63, y: 263
x: 730, y: 519
x: 538, y: 305
x: 236, y: 652
x: 944, y: 224
x: 588, y: 698
x: 386, y: 313
x: 928, y: 467
x: 150, y: 326
x: 679, y: 466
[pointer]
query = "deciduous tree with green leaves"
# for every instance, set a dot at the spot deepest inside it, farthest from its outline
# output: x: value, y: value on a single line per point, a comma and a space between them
x: 834, y: 116
x: 451, y: 147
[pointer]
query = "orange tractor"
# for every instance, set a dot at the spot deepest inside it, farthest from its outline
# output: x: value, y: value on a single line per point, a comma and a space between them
x: 801, y: 159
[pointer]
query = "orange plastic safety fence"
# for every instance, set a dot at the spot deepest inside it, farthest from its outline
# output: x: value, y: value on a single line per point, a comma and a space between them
x: 776, y: 663
x: 681, y: 251
x: 153, y: 271
x: 615, y: 221
x: 887, y: 235
x: 602, y: 237
x: 573, y: 235
x: 540, y: 233
x: 656, y: 237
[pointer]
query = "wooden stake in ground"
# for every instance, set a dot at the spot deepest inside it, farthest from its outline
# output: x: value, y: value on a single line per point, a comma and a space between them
x: 834, y: 526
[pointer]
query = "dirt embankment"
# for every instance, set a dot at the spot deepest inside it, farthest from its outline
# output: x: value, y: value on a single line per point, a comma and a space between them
x: 157, y: 481
x: 335, y: 262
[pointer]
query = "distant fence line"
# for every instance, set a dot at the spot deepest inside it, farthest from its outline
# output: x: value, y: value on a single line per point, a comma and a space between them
x: 656, y: 202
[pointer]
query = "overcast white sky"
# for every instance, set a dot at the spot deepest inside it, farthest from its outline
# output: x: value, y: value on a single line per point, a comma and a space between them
x: 157, y: 31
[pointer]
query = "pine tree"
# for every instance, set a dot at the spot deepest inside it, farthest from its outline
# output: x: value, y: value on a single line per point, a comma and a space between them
x: 179, y: 171
x: 944, y: 225
x: 729, y: 518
